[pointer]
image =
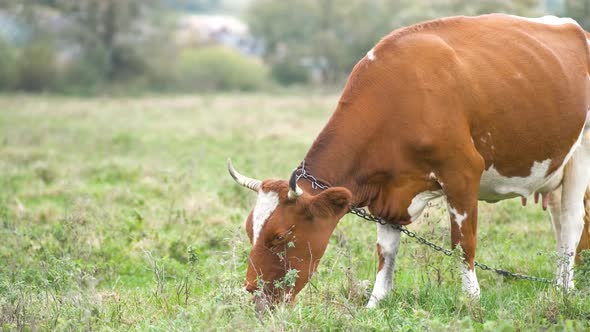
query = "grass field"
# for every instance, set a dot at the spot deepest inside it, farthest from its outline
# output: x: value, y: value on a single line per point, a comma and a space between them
x: 119, y: 214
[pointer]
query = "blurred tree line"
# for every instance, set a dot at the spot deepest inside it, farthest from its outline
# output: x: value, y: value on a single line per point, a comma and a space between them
x: 81, y: 46
x: 325, y: 38
x: 99, y: 41
x: 579, y: 10
x: 88, y: 46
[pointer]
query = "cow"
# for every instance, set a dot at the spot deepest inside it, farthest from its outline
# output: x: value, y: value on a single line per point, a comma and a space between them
x: 470, y: 108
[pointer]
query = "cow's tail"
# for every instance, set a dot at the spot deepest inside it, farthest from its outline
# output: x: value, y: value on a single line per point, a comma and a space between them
x: 585, y: 238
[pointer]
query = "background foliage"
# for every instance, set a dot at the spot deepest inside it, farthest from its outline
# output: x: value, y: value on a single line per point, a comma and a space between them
x: 89, y: 46
x: 332, y: 36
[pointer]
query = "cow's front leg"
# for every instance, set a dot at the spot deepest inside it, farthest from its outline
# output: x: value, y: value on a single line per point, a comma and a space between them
x: 388, y: 239
x: 464, y: 233
x: 462, y: 192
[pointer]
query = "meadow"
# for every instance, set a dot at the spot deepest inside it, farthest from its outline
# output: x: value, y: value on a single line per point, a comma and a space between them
x: 119, y: 214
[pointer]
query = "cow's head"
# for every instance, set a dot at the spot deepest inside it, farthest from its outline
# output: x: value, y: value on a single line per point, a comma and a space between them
x: 289, y: 230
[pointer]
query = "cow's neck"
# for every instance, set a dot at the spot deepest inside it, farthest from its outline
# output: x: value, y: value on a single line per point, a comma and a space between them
x: 339, y: 158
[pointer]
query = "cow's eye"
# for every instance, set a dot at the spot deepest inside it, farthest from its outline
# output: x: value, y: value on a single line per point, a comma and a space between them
x: 280, y: 238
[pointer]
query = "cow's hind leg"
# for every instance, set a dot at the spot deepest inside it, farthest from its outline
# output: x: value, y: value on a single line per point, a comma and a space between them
x: 388, y: 239
x: 555, y: 212
x: 571, y: 215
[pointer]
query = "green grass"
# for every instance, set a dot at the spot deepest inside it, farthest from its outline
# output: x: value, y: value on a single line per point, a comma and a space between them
x: 119, y: 214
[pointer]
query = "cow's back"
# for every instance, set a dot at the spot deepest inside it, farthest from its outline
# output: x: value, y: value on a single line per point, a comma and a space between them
x: 530, y: 80
x: 516, y: 88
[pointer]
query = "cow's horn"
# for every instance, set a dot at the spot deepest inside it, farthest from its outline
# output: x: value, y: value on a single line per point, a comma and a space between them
x: 294, y: 189
x: 245, y: 181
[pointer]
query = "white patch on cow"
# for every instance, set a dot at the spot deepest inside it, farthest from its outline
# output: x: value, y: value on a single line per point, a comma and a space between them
x: 551, y: 20
x: 388, y: 239
x: 495, y: 186
x: 371, y: 55
x: 420, y: 201
x: 266, y: 203
x: 470, y: 284
x: 459, y: 218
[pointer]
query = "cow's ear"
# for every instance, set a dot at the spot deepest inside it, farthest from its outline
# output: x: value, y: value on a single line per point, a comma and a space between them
x: 331, y: 202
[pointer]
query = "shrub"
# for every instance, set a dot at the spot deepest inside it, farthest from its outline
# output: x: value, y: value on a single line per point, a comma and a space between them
x: 127, y: 62
x: 85, y: 73
x: 8, y: 63
x: 37, y: 67
x: 218, y: 68
x: 290, y: 72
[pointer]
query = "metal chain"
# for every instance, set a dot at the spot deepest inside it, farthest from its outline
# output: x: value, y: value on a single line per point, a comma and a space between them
x: 362, y: 213
x: 365, y: 215
x: 315, y: 183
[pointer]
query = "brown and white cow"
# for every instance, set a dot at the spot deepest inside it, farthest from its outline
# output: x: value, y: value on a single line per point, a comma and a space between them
x: 470, y: 108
